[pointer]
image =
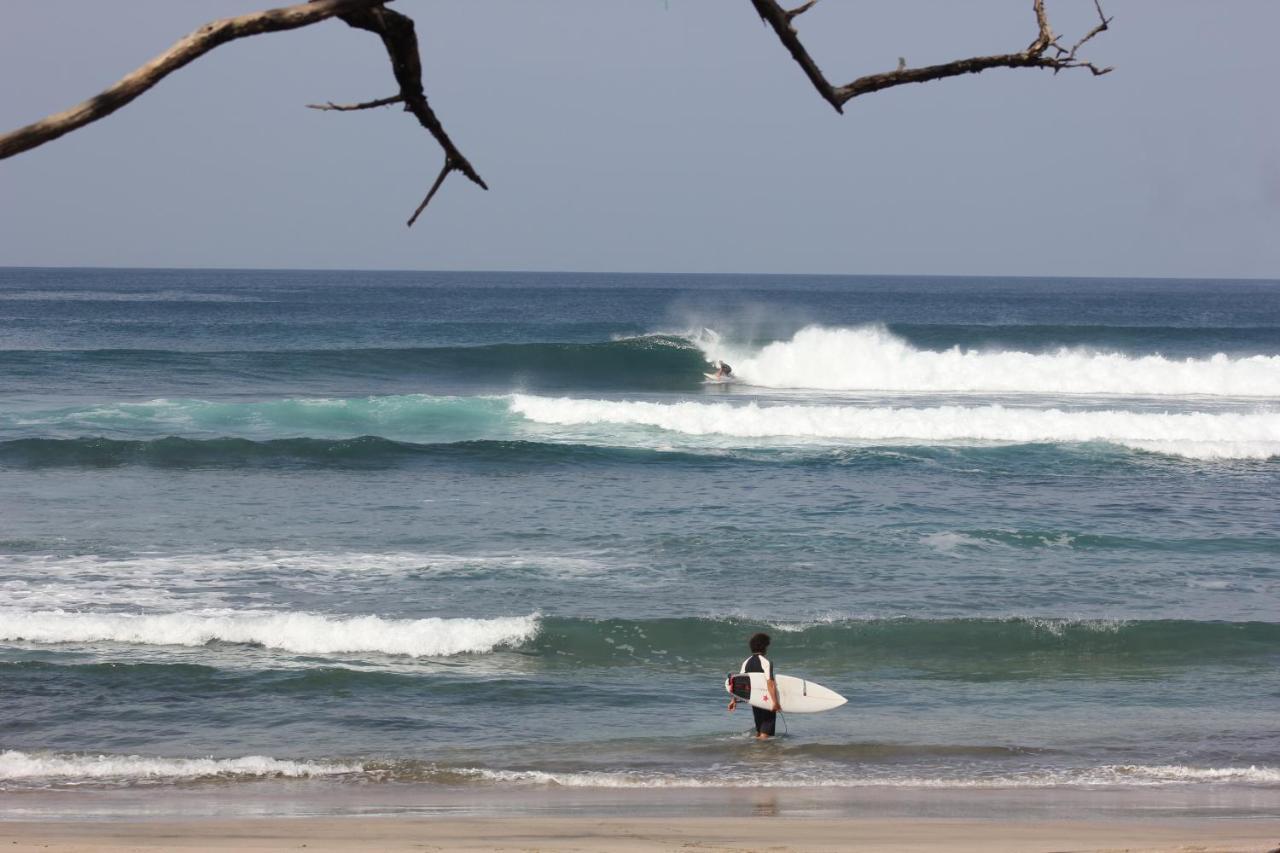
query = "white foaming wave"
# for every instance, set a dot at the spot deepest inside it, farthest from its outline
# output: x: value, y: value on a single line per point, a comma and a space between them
x: 287, y: 561
x: 301, y: 633
x: 947, y: 542
x: 16, y: 765
x: 1196, y: 435
x: 1115, y: 775
x: 71, y: 769
x: 34, y: 592
x: 148, y: 580
x: 870, y: 358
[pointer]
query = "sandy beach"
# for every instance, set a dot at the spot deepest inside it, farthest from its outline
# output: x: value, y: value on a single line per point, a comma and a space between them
x: 628, y: 834
x: 415, y: 818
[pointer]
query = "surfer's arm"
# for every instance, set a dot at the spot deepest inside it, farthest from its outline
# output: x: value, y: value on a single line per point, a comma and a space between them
x: 773, y: 691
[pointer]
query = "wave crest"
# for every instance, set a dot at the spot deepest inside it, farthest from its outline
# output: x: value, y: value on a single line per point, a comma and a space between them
x: 63, y: 769
x: 301, y: 633
x: 1197, y: 435
x: 870, y: 358
x: 16, y: 765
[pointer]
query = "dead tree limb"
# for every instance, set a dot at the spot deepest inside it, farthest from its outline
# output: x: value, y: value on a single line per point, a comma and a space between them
x: 397, y: 34
x: 401, y: 42
x: 1035, y: 55
x: 182, y: 53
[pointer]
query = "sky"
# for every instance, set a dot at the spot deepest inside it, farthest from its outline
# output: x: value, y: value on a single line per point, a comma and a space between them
x: 656, y: 135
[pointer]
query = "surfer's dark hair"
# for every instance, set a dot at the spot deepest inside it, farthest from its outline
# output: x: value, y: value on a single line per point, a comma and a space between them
x: 758, y: 643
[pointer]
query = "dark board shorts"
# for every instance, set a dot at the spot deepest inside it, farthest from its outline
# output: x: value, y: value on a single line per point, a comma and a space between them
x: 765, y: 720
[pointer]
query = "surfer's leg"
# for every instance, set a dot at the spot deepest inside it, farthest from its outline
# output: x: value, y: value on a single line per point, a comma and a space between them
x: 765, y: 722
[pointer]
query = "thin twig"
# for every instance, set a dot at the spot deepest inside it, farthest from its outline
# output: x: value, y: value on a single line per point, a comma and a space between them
x: 801, y: 9
x: 444, y: 172
x: 1105, y: 24
x: 401, y: 42
x: 367, y: 105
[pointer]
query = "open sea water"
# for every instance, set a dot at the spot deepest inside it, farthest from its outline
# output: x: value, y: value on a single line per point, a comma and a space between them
x: 493, y: 530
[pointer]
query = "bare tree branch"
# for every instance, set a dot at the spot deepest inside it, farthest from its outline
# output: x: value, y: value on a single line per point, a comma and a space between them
x: 401, y: 42
x: 397, y: 34
x: 778, y: 18
x: 1035, y: 55
x: 1105, y: 24
x: 367, y: 105
x: 444, y: 173
x: 183, y: 52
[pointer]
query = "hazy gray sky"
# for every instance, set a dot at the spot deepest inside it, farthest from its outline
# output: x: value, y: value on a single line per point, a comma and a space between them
x: 656, y: 135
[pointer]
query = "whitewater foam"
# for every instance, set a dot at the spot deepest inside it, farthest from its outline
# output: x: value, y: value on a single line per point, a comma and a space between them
x: 832, y: 777
x: 158, y: 581
x: 870, y: 358
x: 301, y: 633
x: 70, y: 768
x: 1198, y: 435
x: 27, y: 768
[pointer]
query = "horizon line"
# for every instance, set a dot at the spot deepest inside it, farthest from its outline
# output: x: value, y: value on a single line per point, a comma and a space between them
x: 638, y: 273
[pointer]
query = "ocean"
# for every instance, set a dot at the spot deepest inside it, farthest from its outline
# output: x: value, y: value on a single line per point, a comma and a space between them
x: 484, y: 532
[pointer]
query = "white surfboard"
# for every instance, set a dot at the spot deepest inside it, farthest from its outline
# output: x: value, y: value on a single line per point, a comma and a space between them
x: 718, y: 380
x: 798, y: 695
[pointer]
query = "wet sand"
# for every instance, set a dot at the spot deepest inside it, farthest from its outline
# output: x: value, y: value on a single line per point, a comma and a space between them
x: 274, y: 817
x: 634, y: 834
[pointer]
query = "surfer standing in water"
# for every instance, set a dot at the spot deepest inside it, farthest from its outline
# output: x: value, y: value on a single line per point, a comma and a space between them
x: 765, y: 720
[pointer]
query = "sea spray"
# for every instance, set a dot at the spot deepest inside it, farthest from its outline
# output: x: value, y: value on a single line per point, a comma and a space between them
x: 870, y: 358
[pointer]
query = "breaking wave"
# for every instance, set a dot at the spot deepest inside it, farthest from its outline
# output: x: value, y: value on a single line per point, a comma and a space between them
x: 73, y: 768
x: 1116, y: 775
x: 871, y: 358
x: 1197, y: 435
x: 301, y: 633
x: 37, y: 769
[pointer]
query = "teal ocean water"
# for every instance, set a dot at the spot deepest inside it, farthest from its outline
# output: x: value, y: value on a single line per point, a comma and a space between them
x: 482, y: 530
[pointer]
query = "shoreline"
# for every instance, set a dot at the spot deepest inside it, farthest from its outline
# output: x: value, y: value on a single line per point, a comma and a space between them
x: 293, y: 799
x: 267, y: 816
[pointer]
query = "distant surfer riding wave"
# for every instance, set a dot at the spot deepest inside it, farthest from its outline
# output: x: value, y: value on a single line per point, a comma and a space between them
x: 873, y: 358
x: 723, y: 373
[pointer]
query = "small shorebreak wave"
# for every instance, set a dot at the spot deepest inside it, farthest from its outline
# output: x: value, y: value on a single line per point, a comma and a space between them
x: 78, y: 768
x: 19, y: 769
